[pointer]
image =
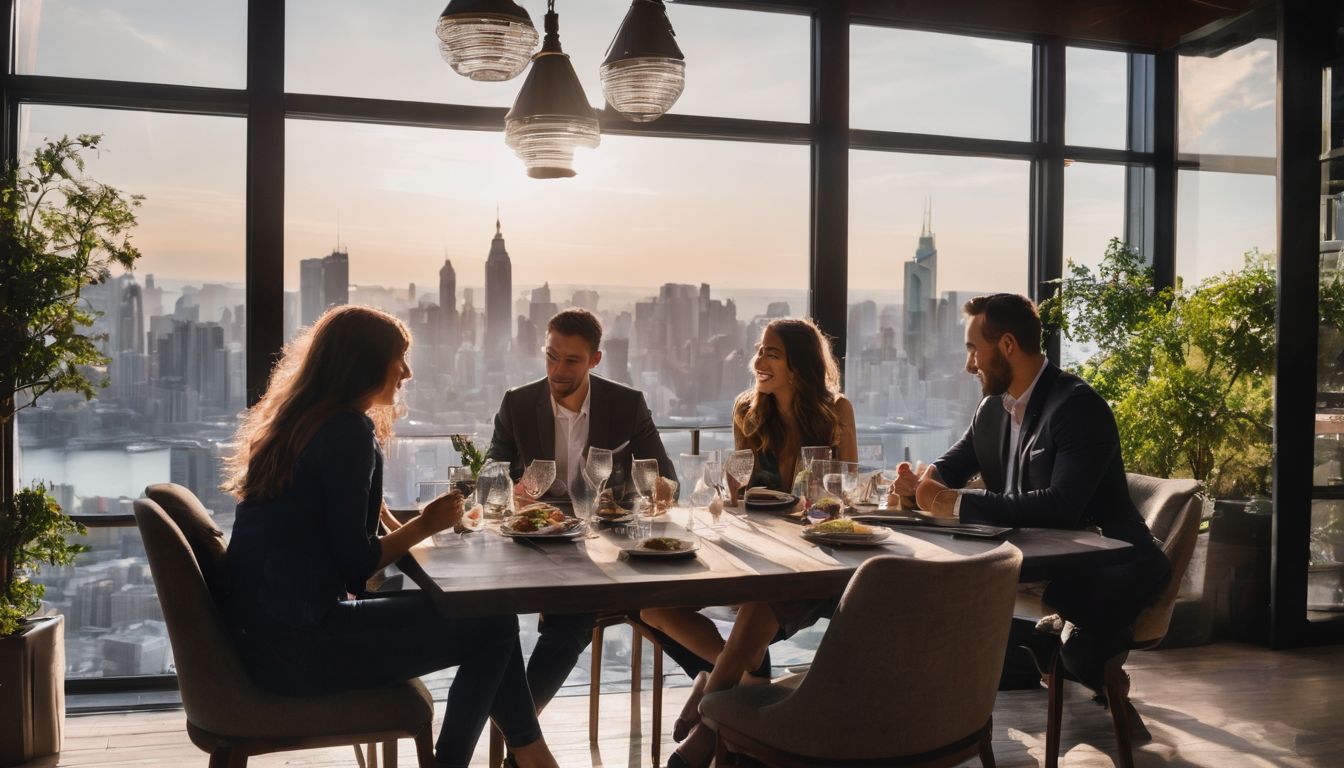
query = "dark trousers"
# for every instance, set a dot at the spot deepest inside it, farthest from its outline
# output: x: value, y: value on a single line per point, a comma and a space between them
x: 381, y: 640
x: 1102, y: 604
x: 562, y: 637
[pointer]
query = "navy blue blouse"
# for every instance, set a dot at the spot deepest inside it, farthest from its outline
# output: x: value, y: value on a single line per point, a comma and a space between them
x: 293, y: 557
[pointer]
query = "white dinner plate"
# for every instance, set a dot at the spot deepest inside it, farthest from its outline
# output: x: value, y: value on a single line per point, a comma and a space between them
x: 688, y: 548
x: 573, y: 530
x: 848, y: 539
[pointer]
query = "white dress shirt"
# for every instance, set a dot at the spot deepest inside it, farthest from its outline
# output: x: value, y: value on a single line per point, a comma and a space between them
x: 1017, y: 411
x: 571, y: 437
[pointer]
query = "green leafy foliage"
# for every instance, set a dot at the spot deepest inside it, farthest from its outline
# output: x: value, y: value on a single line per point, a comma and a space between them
x: 33, y: 533
x: 471, y: 455
x: 1187, y: 372
x: 61, y: 232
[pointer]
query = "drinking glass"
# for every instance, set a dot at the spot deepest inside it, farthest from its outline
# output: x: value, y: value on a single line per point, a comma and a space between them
x: 644, y: 474
x: 738, y: 465
x: 583, y: 493
x: 494, y: 488
x: 599, y: 466
x: 838, y: 478
x: 462, y: 481
x: 691, y: 467
x: 805, y: 484
x: 538, y: 477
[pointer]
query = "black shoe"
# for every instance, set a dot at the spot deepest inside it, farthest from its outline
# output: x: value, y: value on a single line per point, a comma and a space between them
x: 1085, y: 654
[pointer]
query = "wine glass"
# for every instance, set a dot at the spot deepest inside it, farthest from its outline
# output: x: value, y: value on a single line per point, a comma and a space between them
x: 644, y: 474
x: 462, y: 481
x: 738, y: 465
x: 599, y: 466
x: 537, y: 478
x: 691, y: 467
x: 583, y: 493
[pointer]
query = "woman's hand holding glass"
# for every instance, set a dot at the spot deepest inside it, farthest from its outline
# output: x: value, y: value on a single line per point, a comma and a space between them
x: 442, y: 513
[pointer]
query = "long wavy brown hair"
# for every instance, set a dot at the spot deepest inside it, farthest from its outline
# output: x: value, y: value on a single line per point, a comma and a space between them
x: 816, y: 383
x: 332, y: 366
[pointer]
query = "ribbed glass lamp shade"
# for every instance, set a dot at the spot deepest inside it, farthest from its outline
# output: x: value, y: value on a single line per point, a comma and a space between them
x: 551, y: 116
x: 643, y: 89
x: 645, y: 71
x: 488, y: 40
x: 546, y: 143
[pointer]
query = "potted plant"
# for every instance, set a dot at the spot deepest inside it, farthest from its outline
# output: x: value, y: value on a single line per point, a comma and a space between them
x: 61, y: 232
x: 1189, y: 375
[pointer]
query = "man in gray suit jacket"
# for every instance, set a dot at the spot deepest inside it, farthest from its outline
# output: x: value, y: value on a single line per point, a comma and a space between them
x: 1048, y: 450
x: 559, y: 418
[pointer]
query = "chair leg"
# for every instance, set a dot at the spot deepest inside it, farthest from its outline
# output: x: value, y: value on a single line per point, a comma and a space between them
x: 1054, y: 717
x: 720, y: 751
x: 595, y: 683
x: 424, y: 747
x: 1116, y: 687
x: 390, y: 753
x: 496, y: 745
x: 656, y: 729
x: 636, y: 677
x: 226, y: 756
x: 987, y: 745
x: 371, y: 752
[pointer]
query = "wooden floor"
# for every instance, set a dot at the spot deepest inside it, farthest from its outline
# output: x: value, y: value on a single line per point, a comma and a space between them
x: 1220, y: 705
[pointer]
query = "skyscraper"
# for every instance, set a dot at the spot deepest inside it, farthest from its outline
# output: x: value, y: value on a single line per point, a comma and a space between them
x: 335, y: 280
x: 498, y: 300
x: 311, y: 303
x: 448, y: 304
x: 921, y: 292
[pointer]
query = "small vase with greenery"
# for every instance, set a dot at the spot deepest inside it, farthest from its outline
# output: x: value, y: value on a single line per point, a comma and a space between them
x: 61, y: 232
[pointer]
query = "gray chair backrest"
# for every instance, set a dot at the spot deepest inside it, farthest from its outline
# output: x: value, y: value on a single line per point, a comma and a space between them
x: 912, y: 657
x: 206, y: 539
x: 1172, y: 509
x: 216, y: 690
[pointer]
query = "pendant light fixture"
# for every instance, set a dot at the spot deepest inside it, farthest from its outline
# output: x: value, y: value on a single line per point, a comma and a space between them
x: 645, y: 70
x: 551, y: 115
x: 486, y: 39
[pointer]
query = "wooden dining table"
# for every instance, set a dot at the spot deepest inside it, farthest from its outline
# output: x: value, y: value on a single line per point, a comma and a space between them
x: 751, y: 557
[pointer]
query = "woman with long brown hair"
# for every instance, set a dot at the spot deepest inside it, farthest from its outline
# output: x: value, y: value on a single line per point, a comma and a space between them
x: 795, y: 401
x: 307, y: 469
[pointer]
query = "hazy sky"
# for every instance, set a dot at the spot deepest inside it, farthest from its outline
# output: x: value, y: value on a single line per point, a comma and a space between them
x: 641, y: 211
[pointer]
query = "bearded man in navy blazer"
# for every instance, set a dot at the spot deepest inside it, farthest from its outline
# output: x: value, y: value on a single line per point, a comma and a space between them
x: 1048, y: 450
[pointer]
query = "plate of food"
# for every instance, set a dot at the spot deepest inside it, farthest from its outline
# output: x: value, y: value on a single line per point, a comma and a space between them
x: 663, y: 546
x: 845, y: 532
x: 766, y: 500
x: 541, y: 521
x: 610, y: 511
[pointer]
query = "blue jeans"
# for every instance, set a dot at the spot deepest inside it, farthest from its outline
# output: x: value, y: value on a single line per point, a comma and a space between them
x: 382, y: 640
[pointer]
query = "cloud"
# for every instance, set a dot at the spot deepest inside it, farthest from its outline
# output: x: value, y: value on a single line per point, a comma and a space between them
x: 1218, y: 94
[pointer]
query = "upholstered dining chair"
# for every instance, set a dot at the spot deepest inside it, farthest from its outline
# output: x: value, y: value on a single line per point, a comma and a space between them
x: 1172, y: 509
x: 228, y: 715
x: 906, y: 673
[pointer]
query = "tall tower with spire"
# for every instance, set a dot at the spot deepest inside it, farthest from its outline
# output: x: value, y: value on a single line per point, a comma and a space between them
x: 498, y: 299
x: 921, y: 292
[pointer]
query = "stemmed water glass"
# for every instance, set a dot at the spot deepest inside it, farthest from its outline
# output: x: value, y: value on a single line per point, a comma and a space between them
x: 644, y: 474
x: 599, y: 466
x: 537, y: 478
x: 462, y: 481
x: 738, y: 465
x: 691, y: 467
x: 583, y: 493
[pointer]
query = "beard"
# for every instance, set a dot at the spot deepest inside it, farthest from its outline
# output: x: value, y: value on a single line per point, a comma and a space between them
x: 995, y: 375
x: 561, y: 390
